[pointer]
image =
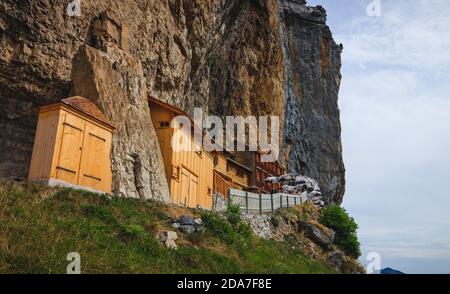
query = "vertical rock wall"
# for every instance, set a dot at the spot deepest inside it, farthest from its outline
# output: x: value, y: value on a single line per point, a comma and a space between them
x: 114, y: 79
x: 312, y: 131
x: 116, y: 83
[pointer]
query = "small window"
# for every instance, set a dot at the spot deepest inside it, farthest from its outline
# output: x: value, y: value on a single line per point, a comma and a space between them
x: 164, y: 124
x: 175, y: 172
x: 216, y: 160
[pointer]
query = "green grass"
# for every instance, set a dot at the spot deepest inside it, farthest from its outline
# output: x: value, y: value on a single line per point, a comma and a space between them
x: 40, y: 226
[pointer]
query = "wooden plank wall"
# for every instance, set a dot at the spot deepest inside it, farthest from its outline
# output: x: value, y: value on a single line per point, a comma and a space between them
x: 164, y: 135
x: 198, y: 164
x: 73, y: 149
x: 43, y: 149
x: 183, y: 167
x: 228, y: 171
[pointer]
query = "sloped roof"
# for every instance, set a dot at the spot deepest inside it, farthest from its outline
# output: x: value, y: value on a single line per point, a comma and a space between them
x: 88, y: 107
x: 178, y: 111
x: 243, y: 166
x: 166, y: 105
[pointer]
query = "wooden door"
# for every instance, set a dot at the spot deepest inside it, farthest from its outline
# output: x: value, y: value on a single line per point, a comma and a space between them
x: 189, y: 188
x: 95, y: 158
x: 184, y: 191
x: 68, y: 166
x: 193, y: 187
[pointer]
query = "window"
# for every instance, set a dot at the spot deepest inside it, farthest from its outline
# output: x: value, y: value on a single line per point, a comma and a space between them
x: 216, y: 160
x: 175, y: 172
x: 164, y: 124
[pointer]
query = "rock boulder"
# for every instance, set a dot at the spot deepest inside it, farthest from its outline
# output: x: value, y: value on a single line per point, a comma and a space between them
x: 320, y: 235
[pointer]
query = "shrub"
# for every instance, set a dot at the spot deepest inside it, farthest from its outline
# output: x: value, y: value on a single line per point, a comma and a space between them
x: 231, y: 229
x: 234, y: 215
x: 337, y: 219
x: 245, y: 232
x: 220, y: 227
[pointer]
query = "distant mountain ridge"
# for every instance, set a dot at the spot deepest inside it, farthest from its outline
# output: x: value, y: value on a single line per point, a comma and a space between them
x: 390, y: 271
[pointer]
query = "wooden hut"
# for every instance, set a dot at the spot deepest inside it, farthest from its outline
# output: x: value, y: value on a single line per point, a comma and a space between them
x: 262, y: 171
x: 189, y: 173
x: 230, y: 172
x: 245, y: 170
x: 72, y: 146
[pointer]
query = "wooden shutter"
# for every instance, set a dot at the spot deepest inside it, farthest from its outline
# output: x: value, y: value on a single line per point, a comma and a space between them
x: 189, y: 188
x: 193, y: 187
x: 71, y: 148
x: 95, y: 157
x: 183, y: 197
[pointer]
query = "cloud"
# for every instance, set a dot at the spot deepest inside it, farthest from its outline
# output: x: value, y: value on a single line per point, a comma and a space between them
x: 410, y: 34
x: 395, y: 114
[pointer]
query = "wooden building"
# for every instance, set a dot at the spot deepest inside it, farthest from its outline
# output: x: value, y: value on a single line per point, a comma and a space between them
x: 72, y: 146
x: 252, y: 173
x: 230, y: 173
x: 262, y: 171
x: 189, y: 173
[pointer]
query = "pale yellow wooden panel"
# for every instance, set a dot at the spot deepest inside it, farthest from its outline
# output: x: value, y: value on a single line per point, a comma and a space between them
x: 195, y: 171
x: 184, y: 188
x: 193, y: 188
x: 95, y: 168
x: 71, y: 146
x: 44, y: 145
x: 165, y: 136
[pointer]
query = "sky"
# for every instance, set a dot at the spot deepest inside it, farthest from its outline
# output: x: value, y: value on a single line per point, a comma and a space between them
x: 395, y: 116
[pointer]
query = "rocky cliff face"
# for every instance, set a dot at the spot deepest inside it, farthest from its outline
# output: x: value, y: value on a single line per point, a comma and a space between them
x: 230, y: 57
x: 312, y: 131
x: 115, y: 82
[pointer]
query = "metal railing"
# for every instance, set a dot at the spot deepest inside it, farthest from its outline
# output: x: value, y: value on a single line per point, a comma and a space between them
x: 263, y: 203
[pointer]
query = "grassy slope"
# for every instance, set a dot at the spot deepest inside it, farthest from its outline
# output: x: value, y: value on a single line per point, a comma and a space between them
x: 40, y: 226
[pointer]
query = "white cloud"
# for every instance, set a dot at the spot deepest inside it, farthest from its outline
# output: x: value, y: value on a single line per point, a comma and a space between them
x: 395, y: 112
x: 410, y: 34
x: 395, y: 115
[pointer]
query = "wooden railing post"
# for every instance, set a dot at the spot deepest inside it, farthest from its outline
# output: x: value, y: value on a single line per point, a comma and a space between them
x: 246, y: 202
x: 260, y: 204
x: 271, y: 201
x: 229, y: 197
